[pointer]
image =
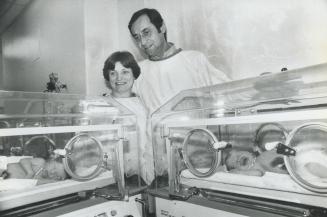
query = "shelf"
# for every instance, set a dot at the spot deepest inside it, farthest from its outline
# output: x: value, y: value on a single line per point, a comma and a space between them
x: 311, y: 115
x: 15, y: 198
x: 272, y: 186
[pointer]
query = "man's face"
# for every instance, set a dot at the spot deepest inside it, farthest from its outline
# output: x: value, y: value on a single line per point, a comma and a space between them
x: 148, y: 37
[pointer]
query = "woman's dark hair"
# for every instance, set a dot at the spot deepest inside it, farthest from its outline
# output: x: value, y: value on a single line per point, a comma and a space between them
x: 154, y: 16
x: 125, y: 58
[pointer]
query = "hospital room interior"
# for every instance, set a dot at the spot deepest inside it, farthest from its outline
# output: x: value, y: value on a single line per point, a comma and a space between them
x: 150, y: 108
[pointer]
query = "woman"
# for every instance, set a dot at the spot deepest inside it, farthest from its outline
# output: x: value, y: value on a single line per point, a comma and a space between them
x: 120, y: 71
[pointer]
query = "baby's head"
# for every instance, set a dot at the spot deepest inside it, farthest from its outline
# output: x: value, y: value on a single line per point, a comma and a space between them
x: 54, y: 170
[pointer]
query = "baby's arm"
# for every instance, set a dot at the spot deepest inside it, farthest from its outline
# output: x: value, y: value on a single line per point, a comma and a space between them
x: 26, y: 164
x: 32, y: 166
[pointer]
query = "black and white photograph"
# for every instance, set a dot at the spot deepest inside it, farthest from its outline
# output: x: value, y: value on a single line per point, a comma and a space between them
x: 163, y: 108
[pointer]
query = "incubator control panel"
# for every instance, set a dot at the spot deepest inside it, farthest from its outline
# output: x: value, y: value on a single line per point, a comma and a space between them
x: 128, y: 208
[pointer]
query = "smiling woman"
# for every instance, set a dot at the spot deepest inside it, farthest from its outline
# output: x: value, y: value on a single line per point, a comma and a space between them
x: 120, y: 70
x: 121, y: 81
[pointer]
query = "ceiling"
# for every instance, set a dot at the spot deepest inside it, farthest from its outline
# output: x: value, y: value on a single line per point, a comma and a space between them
x: 9, y: 10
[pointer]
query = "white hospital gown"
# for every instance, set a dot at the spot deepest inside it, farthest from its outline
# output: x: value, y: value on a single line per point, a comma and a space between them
x: 161, y: 80
x: 143, y: 145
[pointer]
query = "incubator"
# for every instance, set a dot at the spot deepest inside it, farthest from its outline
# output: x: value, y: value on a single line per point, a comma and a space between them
x: 59, y: 149
x: 253, y: 147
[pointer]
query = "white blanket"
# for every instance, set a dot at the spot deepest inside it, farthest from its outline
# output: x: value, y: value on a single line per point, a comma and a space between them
x: 16, y: 184
x: 4, y: 160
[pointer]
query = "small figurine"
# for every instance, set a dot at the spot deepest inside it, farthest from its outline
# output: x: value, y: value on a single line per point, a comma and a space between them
x: 55, y: 85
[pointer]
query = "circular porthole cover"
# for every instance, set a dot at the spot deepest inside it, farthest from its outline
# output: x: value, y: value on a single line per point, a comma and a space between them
x: 309, y: 165
x: 39, y: 146
x: 84, y: 157
x: 269, y: 133
x: 199, y: 153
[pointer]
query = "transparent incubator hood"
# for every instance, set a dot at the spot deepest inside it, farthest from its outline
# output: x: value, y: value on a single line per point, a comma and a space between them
x: 264, y: 136
x: 52, y: 145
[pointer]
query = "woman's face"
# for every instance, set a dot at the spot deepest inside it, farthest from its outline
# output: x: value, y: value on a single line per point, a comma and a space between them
x: 121, y: 80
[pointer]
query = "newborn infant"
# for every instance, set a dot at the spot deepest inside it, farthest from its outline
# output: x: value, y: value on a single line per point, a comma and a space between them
x: 270, y: 161
x: 241, y: 162
x: 244, y: 162
x: 45, y: 171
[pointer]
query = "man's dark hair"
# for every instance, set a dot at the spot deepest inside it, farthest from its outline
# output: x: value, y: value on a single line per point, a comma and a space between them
x: 125, y: 58
x: 154, y: 16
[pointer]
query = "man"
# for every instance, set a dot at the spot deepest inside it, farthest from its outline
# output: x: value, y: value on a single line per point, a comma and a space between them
x: 167, y: 70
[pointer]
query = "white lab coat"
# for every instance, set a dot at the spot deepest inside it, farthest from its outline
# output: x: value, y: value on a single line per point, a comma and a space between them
x: 161, y: 80
x: 144, y: 143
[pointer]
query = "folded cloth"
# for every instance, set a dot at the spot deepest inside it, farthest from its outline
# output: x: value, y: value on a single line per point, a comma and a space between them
x: 5, y: 160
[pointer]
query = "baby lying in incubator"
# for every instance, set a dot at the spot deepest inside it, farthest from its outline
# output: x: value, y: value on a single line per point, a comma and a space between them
x: 44, y: 171
x: 309, y: 164
x: 244, y: 162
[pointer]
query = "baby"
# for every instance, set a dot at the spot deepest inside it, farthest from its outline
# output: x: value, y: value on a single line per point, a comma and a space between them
x: 45, y: 171
x: 245, y: 162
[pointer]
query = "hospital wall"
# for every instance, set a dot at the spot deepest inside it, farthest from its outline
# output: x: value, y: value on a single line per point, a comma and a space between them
x: 47, y: 37
x: 1, y: 74
x: 243, y: 38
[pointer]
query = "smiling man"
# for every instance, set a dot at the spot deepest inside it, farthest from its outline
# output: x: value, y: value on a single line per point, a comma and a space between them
x: 168, y: 70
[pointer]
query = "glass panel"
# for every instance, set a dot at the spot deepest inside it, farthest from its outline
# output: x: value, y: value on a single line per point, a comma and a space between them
x: 84, y: 156
x: 261, y: 119
x: 39, y: 146
x: 309, y: 165
x: 200, y: 156
x: 268, y: 134
x: 34, y: 131
x: 284, y: 89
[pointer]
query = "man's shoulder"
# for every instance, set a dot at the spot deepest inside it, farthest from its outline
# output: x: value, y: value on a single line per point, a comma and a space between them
x: 194, y: 52
x: 144, y: 61
x: 192, y: 55
x: 144, y: 64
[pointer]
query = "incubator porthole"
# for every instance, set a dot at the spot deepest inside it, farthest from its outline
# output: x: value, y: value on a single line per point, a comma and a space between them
x: 267, y: 134
x: 39, y: 146
x: 84, y: 157
x: 199, y: 155
x: 309, y: 165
